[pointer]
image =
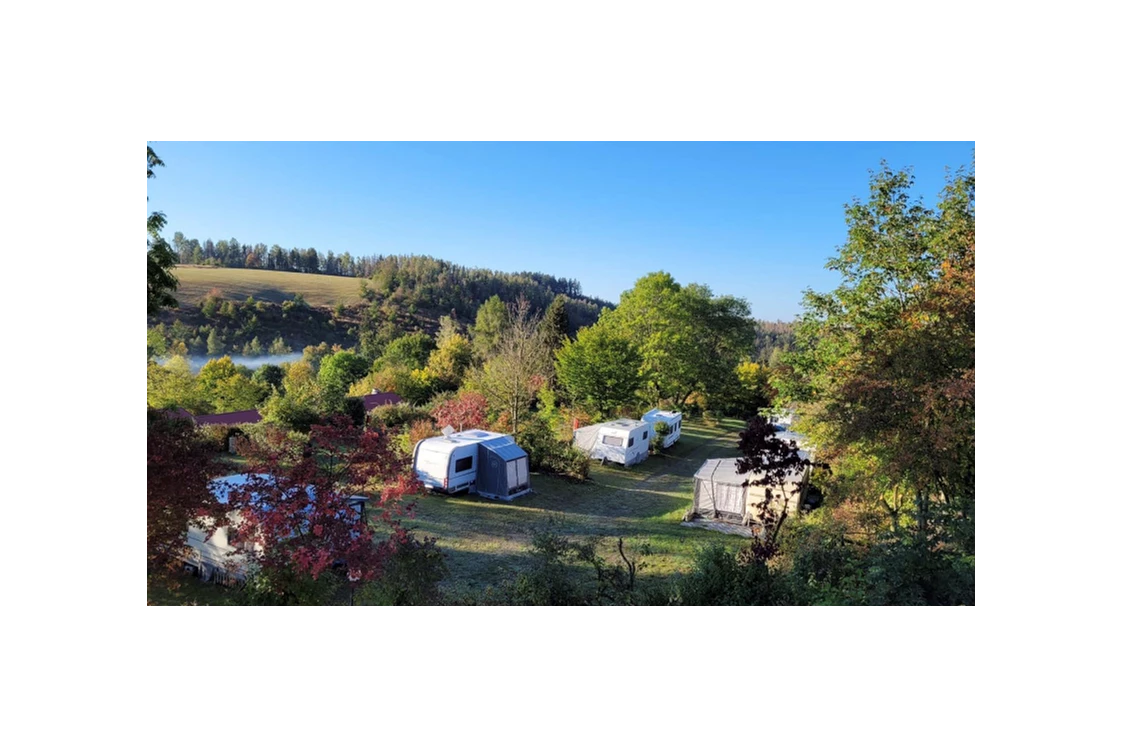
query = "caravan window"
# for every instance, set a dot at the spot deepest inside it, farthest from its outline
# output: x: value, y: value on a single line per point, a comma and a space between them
x: 464, y: 463
x: 645, y: 435
x: 613, y: 441
x: 631, y: 441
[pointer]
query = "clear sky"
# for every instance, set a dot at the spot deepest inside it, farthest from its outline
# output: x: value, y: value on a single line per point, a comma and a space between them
x: 756, y: 220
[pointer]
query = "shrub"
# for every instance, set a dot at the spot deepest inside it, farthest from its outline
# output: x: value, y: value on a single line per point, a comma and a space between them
x: 401, y: 414
x: 722, y: 577
x: 418, y: 430
x: 661, y: 430
x: 411, y: 576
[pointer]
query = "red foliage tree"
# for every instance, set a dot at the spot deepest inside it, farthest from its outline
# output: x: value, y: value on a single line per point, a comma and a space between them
x: 468, y: 410
x: 774, y: 461
x: 180, y: 465
x: 297, y: 508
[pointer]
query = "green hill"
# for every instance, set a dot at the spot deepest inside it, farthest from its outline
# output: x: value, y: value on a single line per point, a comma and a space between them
x: 237, y: 284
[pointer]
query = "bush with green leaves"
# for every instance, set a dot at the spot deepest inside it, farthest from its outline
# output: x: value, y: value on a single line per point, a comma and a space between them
x: 281, y: 586
x: 662, y: 429
x: 400, y: 414
x: 412, y: 576
x: 549, y: 454
x: 721, y: 576
x: 560, y: 574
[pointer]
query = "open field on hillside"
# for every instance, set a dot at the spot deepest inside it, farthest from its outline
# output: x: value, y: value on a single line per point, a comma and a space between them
x: 195, y: 281
x: 487, y: 541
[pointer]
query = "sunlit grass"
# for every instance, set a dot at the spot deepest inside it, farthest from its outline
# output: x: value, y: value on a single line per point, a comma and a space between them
x: 276, y: 286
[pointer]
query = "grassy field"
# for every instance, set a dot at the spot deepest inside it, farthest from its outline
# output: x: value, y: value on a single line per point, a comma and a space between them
x: 267, y: 285
x: 487, y: 541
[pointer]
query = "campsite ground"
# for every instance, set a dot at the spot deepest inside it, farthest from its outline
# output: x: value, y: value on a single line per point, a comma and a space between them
x: 488, y: 541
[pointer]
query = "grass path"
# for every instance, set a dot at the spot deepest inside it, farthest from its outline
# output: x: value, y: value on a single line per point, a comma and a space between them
x: 487, y: 541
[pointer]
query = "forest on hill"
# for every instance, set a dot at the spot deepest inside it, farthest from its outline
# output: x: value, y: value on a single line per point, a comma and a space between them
x: 400, y: 295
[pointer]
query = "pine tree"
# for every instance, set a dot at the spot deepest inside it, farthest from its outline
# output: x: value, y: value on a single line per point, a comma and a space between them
x: 214, y: 344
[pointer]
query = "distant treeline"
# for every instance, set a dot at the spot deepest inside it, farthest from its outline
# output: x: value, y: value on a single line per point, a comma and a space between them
x: 428, y: 283
x: 414, y: 282
x: 233, y: 254
x: 772, y: 339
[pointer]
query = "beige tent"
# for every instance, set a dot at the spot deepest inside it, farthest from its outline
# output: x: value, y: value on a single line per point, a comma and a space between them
x: 721, y: 493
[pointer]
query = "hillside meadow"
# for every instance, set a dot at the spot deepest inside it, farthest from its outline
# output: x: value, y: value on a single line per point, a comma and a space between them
x: 238, y: 284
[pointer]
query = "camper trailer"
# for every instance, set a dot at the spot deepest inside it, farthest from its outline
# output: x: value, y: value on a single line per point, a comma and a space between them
x: 672, y: 418
x: 624, y: 440
x: 477, y: 461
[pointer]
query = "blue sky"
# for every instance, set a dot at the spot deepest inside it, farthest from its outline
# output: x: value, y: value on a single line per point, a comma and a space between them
x: 756, y: 220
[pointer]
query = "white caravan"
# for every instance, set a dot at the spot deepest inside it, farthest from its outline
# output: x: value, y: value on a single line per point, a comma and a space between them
x: 482, y: 462
x: 624, y: 440
x: 672, y: 418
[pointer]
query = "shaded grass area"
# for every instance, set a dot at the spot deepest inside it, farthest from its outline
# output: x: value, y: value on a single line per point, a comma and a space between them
x: 191, y: 591
x: 487, y: 541
x: 266, y: 285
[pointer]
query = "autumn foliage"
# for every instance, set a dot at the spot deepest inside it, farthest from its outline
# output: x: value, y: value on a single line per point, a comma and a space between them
x: 180, y: 465
x: 298, y: 506
x: 468, y: 410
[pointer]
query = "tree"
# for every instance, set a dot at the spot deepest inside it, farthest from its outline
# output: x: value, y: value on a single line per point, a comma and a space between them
x: 601, y: 368
x: 450, y: 361
x: 468, y: 410
x: 161, y: 259
x: 492, y: 319
x: 689, y: 341
x: 215, y: 346
x: 337, y: 373
x: 278, y: 347
x: 884, y: 367
x: 409, y: 351
x: 555, y: 325
x: 269, y: 374
x: 518, y: 368
x: 297, y: 506
x: 296, y: 405
x: 774, y: 460
x: 173, y: 386
x: 180, y: 466
x: 228, y: 387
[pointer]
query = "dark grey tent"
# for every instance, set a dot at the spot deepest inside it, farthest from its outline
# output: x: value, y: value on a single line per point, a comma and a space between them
x: 504, y: 469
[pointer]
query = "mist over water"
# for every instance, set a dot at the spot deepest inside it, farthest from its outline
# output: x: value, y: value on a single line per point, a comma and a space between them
x: 196, y: 362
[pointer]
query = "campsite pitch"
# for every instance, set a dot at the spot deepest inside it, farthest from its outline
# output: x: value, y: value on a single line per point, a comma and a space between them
x: 487, y: 542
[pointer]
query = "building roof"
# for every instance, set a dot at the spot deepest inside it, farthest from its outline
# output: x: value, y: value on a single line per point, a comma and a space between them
x: 376, y: 399
x: 229, y: 419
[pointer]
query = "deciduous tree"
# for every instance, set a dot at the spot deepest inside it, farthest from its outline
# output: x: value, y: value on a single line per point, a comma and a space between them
x: 601, y: 368
x: 180, y: 465
x: 297, y: 506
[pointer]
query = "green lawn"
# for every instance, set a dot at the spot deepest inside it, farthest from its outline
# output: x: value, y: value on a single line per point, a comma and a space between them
x: 487, y: 541
x: 265, y: 285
